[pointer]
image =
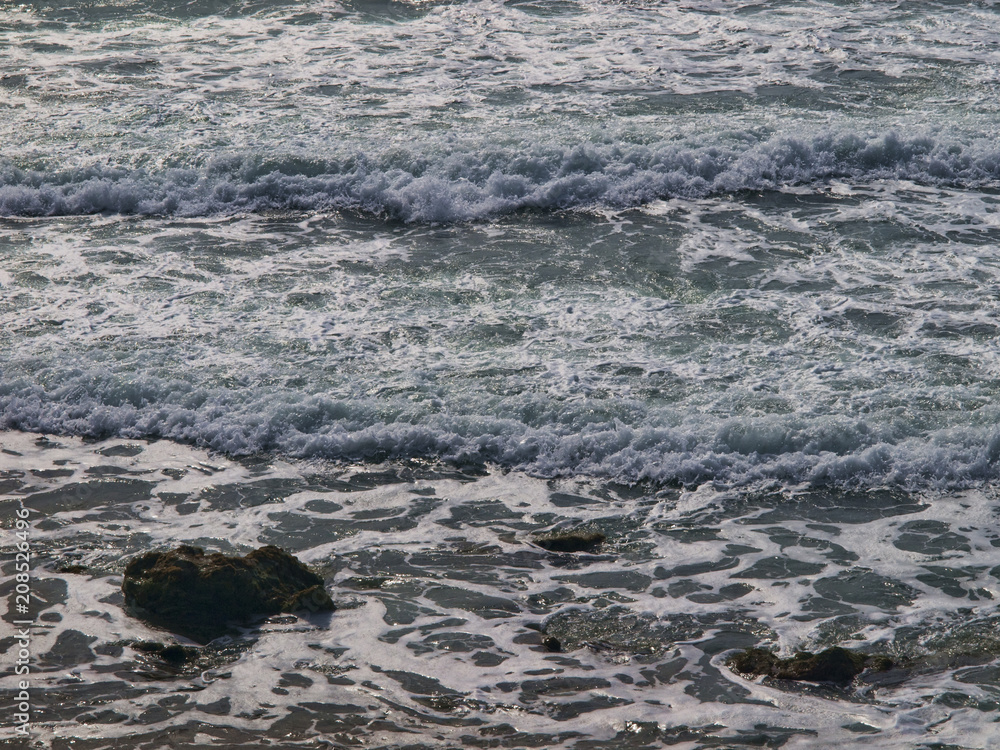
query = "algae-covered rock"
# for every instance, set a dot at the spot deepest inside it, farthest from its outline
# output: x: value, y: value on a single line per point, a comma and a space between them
x: 570, y: 540
x: 198, y: 595
x: 832, y: 665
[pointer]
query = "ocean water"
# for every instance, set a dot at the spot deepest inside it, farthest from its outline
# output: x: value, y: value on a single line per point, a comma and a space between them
x: 398, y: 286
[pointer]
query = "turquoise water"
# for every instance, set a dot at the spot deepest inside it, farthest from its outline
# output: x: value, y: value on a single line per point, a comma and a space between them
x: 723, y: 274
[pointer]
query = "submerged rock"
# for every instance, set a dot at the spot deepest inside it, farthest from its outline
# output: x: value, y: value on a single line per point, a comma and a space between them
x: 832, y: 665
x: 198, y: 595
x: 617, y: 629
x: 172, y: 654
x: 570, y: 540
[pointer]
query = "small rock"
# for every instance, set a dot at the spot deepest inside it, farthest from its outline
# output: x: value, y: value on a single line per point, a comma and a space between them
x: 832, y: 665
x: 198, y: 595
x: 570, y: 540
x: 176, y: 654
x: 173, y: 654
x: 551, y: 644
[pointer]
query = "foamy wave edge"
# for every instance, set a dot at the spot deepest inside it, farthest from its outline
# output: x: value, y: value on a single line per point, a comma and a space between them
x: 787, y: 450
x: 465, y: 185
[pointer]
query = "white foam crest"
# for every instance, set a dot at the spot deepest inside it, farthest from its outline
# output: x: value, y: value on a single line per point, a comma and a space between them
x: 463, y: 185
x: 749, y: 450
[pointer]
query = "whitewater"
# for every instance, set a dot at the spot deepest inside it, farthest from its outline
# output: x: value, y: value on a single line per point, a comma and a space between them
x: 399, y: 286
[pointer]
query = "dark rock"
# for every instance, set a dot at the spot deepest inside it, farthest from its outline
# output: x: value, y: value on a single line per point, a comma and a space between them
x: 176, y: 654
x: 198, y: 595
x: 617, y: 629
x: 172, y: 654
x: 570, y: 540
x: 832, y: 665
x: 552, y: 644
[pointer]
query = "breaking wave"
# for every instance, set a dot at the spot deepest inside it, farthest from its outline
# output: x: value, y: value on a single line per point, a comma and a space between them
x: 490, y: 181
x: 627, y: 441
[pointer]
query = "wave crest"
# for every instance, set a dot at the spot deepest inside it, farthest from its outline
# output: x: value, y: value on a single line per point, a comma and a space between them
x: 466, y: 185
x: 787, y: 449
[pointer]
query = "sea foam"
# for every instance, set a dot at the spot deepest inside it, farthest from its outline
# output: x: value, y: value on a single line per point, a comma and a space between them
x: 460, y: 185
x: 790, y: 449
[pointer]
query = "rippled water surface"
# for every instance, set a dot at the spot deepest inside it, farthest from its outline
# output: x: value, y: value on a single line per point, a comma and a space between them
x: 398, y: 286
x: 447, y: 607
